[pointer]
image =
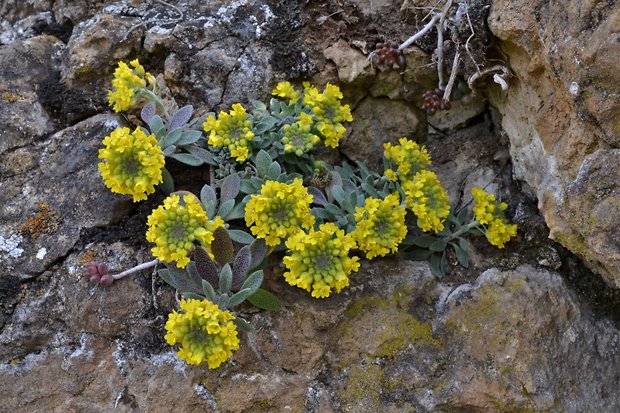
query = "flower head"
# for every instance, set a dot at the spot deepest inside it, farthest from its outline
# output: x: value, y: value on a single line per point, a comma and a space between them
x: 133, y: 163
x: 428, y: 200
x: 279, y: 211
x: 380, y: 226
x: 126, y: 83
x: 176, y: 225
x: 297, y: 137
x: 287, y: 91
x: 490, y: 212
x: 328, y: 112
x: 319, y: 260
x: 409, y: 158
x: 204, y: 332
x: 233, y: 130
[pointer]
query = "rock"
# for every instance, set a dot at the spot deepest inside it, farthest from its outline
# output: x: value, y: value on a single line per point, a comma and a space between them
x: 24, y: 65
x: 560, y: 109
x: 51, y: 203
x: 377, y: 121
x: 351, y: 63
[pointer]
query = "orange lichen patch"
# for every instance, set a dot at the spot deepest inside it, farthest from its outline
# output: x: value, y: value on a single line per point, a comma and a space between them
x: 45, y: 221
x: 87, y: 257
x: 11, y: 97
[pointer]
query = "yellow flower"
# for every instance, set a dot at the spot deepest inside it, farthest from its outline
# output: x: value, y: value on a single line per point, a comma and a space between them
x: 233, y: 130
x: 380, y: 226
x: 328, y: 112
x: 409, y: 158
x: 204, y: 332
x: 319, y: 260
x: 297, y: 137
x: 279, y: 211
x: 428, y: 200
x: 133, y: 163
x: 287, y: 91
x: 127, y: 83
x: 489, y: 212
x: 175, y: 226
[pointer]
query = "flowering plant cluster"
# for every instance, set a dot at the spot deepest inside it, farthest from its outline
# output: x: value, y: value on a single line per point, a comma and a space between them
x: 270, y: 196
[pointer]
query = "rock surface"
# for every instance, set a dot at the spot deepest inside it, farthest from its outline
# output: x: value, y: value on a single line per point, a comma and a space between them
x: 561, y: 109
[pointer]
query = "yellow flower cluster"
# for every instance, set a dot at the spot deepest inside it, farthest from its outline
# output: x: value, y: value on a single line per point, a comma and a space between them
x: 176, y: 225
x: 409, y: 157
x: 133, y: 163
x: 319, y: 260
x: 489, y: 212
x: 126, y: 83
x: 233, y: 130
x: 380, y: 226
x: 279, y: 211
x: 428, y: 200
x: 328, y: 111
x: 298, y: 137
x: 287, y: 91
x: 204, y: 332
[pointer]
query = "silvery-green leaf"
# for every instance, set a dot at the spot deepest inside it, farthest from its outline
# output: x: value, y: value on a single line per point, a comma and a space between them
x: 187, y: 159
x: 247, y: 187
x: 438, y: 245
x: 225, y: 279
x: 208, y: 291
x: 240, y: 237
x: 156, y: 124
x: 230, y: 187
x: 461, y: 255
x: 179, y: 279
x: 208, y: 200
x: 194, y: 296
x: 254, y: 281
x: 193, y: 273
x: 336, y: 178
x: 241, y: 266
x: 258, y: 105
x: 188, y: 137
x: 417, y: 254
x: 274, y: 171
x: 263, y: 162
x: 321, y: 213
x: 463, y: 243
x: 202, y: 154
x: 172, y: 137
x: 169, y: 150
x: 237, y: 212
x: 462, y: 216
x: 258, y: 249
x: 225, y: 208
x: 317, y: 196
x: 167, y: 185
x: 348, y: 186
x: 222, y: 302
x: 181, y: 117
x: 338, y: 194
x: 436, y: 267
x: 147, y: 112
x: 334, y: 210
x: 239, y: 297
x: 423, y: 241
x: 222, y: 247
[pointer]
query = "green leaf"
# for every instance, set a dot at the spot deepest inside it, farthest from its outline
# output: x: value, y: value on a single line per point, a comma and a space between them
x: 274, y: 171
x: 188, y: 295
x: 265, y: 300
x: 435, y: 264
x: 259, y: 106
x: 338, y: 194
x: 240, y: 237
x: 193, y: 273
x: 321, y: 213
x: 169, y: 150
x: 167, y: 185
x: 208, y: 291
x: 263, y: 162
x: 423, y: 241
x: 222, y: 301
x: 258, y: 249
x: 463, y: 244
x: 241, y: 266
x: 230, y: 187
x: 208, y: 200
x: 334, y: 210
x: 202, y: 154
x: 205, y: 266
x: 439, y: 245
x: 239, y: 297
x: 147, y: 112
x: 181, y: 117
x: 225, y: 208
x: 461, y: 255
x: 179, y: 279
x: 225, y: 279
x: 254, y: 281
x: 189, y: 137
x: 187, y: 159
x: 317, y: 196
x: 417, y: 254
x: 237, y: 212
x: 156, y: 124
x: 243, y: 325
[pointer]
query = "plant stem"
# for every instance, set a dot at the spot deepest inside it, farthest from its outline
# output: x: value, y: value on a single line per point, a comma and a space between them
x: 463, y: 230
x: 137, y: 268
x: 158, y: 102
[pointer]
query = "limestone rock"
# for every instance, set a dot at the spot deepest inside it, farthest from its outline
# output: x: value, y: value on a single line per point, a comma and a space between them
x: 561, y: 108
x: 378, y: 121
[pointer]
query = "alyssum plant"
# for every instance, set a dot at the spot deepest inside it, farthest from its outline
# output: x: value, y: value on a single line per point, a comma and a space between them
x: 271, y: 196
